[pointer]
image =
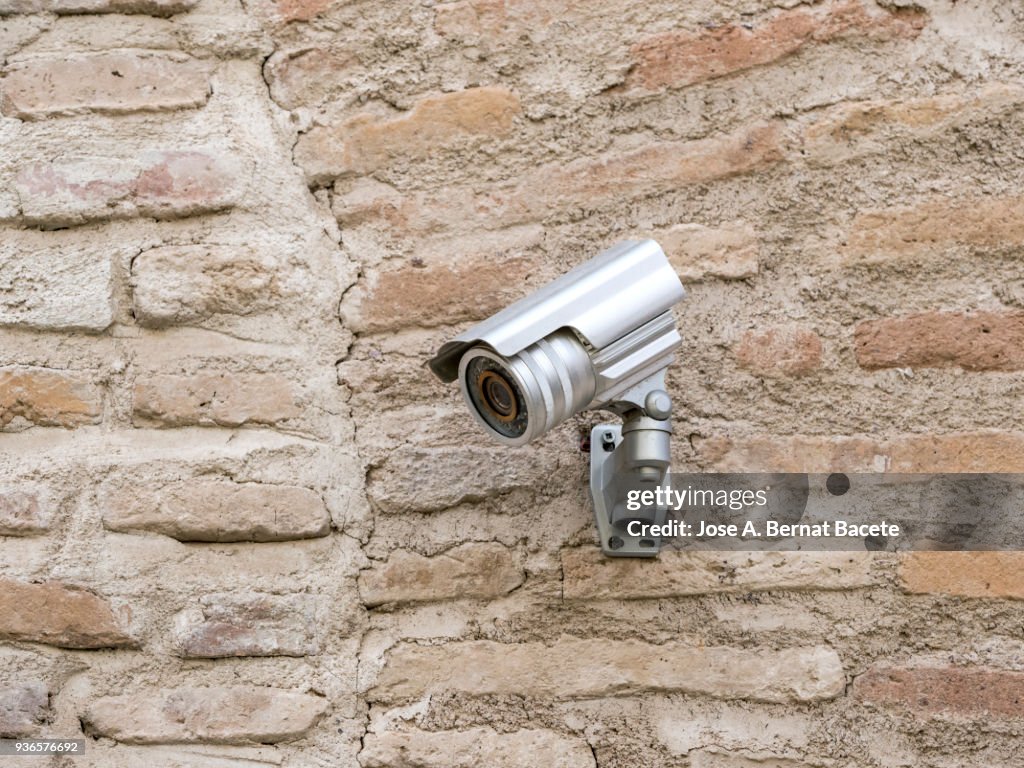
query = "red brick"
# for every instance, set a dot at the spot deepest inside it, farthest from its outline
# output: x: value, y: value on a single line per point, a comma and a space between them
x: 307, y: 76
x: 228, y: 625
x: 474, y: 748
x: 490, y: 273
x: 221, y: 399
x: 469, y: 571
x: 459, y: 474
x: 589, y: 575
x: 975, y: 341
x: 966, y: 574
x: 989, y: 451
x: 440, y: 294
x: 48, y: 398
x: 366, y: 142
x: 698, y: 252
x: 592, y: 668
x: 860, y: 128
x: 23, y: 708
x: 276, y: 16
x: 58, y: 281
x: 684, y: 57
x: 929, y: 229
x: 161, y: 184
x: 239, y: 714
x: 956, y: 691
x: 108, y: 83
x: 150, y: 7
x: 497, y: 19
x: 58, y: 614
x: 216, y: 510
x: 779, y: 351
x: 717, y: 758
x: 645, y: 171
x: 367, y: 202
x: 182, y: 284
x: 585, y: 184
x: 22, y: 514
x: 300, y: 10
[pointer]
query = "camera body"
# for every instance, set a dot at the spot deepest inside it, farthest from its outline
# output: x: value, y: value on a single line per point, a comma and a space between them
x: 599, y: 337
x: 588, y: 340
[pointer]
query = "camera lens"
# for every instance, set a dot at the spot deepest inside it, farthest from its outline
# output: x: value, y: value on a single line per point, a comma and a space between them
x: 520, y: 397
x: 496, y: 397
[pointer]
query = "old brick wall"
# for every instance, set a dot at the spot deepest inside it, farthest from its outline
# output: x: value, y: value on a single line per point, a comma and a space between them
x: 240, y: 526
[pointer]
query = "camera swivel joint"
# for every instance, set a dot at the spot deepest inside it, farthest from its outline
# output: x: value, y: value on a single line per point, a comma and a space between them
x: 627, y: 460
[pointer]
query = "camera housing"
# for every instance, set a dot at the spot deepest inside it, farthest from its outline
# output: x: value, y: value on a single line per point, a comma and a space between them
x: 579, y: 343
x: 598, y: 337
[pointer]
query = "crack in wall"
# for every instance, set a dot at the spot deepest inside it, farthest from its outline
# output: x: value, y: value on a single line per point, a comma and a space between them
x: 363, y: 634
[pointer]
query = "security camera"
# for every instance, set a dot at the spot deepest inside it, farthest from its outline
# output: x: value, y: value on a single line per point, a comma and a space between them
x: 592, y: 339
x: 599, y: 337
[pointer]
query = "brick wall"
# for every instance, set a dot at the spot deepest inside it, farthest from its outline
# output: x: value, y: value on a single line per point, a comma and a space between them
x: 240, y: 526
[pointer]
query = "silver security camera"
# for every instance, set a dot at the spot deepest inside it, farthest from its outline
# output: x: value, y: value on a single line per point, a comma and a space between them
x: 599, y: 337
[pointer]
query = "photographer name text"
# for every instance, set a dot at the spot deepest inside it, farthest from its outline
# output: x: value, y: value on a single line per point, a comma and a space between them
x: 765, y: 528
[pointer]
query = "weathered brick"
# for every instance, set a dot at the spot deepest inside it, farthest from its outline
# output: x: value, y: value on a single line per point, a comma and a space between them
x: 427, y: 292
x: 983, y: 451
x: 679, y: 58
x: 47, y: 397
x: 497, y: 19
x: 274, y: 13
x: 369, y: 202
x: 58, y: 614
x: 967, y: 574
x: 585, y: 184
x: 193, y: 569
x: 208, y: 398
x: 779, y: 351
x: 213, y: 510
x: 109, y: 754
x: 228, y: 715
x: 457, y: 475
x: 717, y: 759
x: 573, y: 668
x: 588, y: 575
x: 472, y: 748
x: 468, y: 571
x: 22, y: 514
x: 107, y: 83
x: 307, y: 76
x: 149, y: 7
x: 300, y: 10
x: 167, y: 184
x: 247, y: 625
x: 866, y: 127
x: 929, y: 229
x: 648, y: 170
x: 698, y: 252
x: 367, y: 142
x: 188, y: 283
x: 956, y: 691
x: 366, y: 202
x: 52, y: 282
x: 975, y: 341
x: 23, y: 708
x: 685, y: 725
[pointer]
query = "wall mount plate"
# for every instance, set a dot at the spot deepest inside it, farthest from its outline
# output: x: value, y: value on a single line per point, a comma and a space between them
x: 605, y: 490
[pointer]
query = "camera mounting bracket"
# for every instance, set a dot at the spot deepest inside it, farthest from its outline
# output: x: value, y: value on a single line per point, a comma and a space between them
x: 633, y: 456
